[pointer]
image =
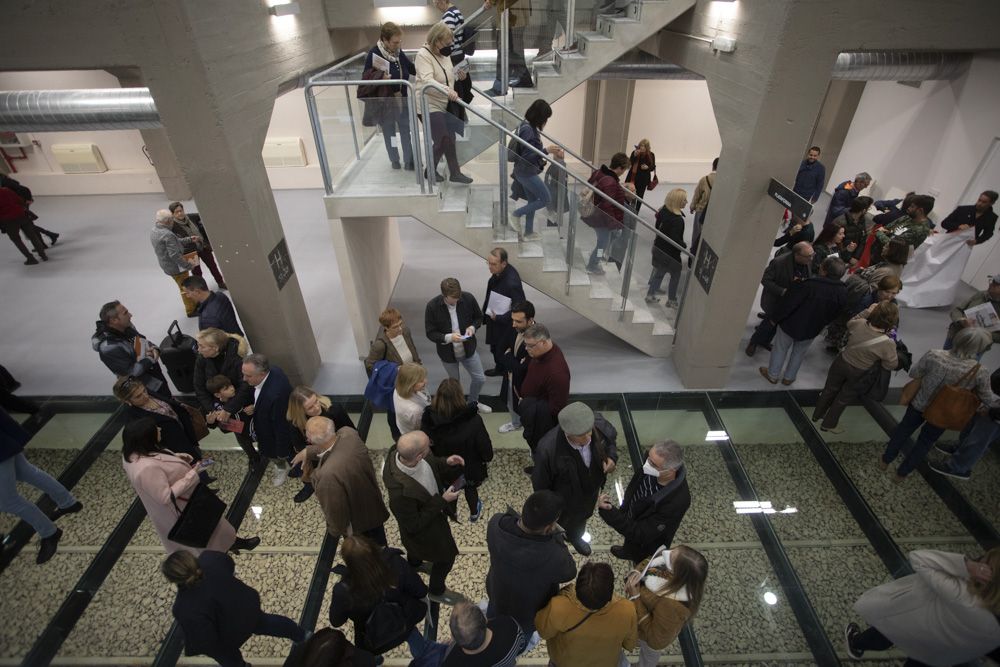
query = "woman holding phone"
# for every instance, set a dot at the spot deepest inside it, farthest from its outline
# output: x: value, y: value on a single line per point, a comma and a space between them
x: 164, y: 481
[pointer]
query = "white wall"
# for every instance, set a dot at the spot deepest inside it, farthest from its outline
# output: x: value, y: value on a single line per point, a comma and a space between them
x: 929, y: 139
x: 129, y: 171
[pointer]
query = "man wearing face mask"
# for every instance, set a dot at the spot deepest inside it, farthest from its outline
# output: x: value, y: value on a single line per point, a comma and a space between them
x: 574, y: 460
x: 654, y: 505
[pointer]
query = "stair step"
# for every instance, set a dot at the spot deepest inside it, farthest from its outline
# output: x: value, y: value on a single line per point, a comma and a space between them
x: 531, y: 250
x: 551, y: 264
x: 455, y: 197
x: 599, y: 289
x: 546, y: 70
x: 662, y: 328
x: 579, y: 277
x: 642, y: 316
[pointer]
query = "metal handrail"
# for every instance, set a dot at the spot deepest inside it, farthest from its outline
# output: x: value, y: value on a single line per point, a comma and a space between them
x: 317, y: 127
x: 316, y: 78
x: 580, y: 158
x: 503, y: 130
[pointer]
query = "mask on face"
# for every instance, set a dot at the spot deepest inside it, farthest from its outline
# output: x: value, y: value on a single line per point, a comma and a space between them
x: 446, y: 50
x: 648, y: 468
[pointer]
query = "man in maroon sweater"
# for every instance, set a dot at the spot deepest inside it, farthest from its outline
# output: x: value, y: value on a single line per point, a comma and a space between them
x: 545, y: 389
x: 14, y: 220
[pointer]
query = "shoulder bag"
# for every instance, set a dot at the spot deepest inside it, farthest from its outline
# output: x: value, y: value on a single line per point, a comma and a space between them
x: 953, y: 405
x: 873, y: 384
x: 582, y: 621
x: 199, y: 518
x: 198, y: 422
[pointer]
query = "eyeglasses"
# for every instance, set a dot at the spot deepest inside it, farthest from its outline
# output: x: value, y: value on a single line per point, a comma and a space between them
x: 531, y: 346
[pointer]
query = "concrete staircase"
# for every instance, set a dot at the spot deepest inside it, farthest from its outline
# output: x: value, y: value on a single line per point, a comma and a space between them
x: 466, y: 214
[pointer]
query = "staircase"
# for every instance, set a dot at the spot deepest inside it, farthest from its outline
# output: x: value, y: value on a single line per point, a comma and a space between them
x: 466, y: 214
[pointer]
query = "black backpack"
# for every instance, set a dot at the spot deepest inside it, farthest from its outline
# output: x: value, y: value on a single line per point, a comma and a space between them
x: 387, y: 626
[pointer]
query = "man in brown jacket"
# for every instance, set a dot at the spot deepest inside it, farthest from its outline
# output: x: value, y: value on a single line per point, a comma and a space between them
x: 344, y: 480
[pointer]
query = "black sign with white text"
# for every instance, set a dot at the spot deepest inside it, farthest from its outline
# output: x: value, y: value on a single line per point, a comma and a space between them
x: 784, y: 195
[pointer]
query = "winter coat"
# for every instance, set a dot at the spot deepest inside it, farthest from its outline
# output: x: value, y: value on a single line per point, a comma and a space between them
x: 809, y: 306
x: 154, y: 478
x: 843, y: 195
x: 437, y: 324
x: 507, y: 283
x: 13, y: 437
x: 422, y: 518
x: 661, y: 618
x: 527, y: 162
x: 666, y: 255
x: 227, y: 362
x: 560, y: 468
x: 409, y: 592
x: 217, y: 311
x: 778, y: 277
x: 383, y: 348
x: 274, y: 433
x: 525, y: 570
x: 168, y: 249
x: 606, y: 214
x: 464, y: 434
x: 654, y: 520
x: 117, y: 352
x: 636, y: 174
x: 219, y: 613
x: 177, y: 435
x: 598, y: 641
x: 346, y: 487
x: 930, y: 615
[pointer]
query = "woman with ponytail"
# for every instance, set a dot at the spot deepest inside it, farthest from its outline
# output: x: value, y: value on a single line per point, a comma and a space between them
x: 217, y: 612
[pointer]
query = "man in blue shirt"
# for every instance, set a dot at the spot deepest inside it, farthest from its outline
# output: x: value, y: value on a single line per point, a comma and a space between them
x: 811, y: 177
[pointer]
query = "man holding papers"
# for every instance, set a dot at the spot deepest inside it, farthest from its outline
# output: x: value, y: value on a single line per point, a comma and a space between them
x: 975, y: 312
x: 503, y: 289
x: 450, y: 322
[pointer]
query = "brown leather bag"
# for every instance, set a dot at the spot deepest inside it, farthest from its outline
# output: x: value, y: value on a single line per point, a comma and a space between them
x: 953, y: 405
x: 198, y: 421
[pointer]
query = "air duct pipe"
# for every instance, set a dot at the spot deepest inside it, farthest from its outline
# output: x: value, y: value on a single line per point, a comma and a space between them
x: 134, y: 109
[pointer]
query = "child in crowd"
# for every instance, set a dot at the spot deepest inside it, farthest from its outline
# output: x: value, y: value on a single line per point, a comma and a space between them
x: 239, y: 423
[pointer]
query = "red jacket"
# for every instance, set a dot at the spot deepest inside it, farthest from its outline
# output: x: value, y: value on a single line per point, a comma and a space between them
x: 547, y: 379
x: 11, y: 205
x: 607, y: 214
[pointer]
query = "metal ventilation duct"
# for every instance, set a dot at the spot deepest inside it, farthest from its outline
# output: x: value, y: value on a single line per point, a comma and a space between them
x: 70, y: 110
x: 899, y: 65
x: 134, y: 109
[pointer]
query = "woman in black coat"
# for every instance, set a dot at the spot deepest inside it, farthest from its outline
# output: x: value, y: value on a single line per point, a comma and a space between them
x: 642, y: 167
x: 217, y: 612
x: 455, y: 427
x: 371, y: 576
x: 666, y: 256
x: 174, y: 421
x: 218, y: 354
x: 390, y: 113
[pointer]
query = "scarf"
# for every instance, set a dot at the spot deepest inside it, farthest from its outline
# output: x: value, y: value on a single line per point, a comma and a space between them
x: 385, y: 53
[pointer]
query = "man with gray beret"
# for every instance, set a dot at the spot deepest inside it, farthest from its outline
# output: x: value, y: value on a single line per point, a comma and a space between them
x: 574, y: 460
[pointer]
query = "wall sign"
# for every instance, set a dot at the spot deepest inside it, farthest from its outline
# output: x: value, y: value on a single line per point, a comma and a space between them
x: 281, y: 263
x: 704, y: 268
x: 785, y: 196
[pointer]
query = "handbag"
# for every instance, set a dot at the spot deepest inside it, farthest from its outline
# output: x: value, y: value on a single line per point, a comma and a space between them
x: 199, y: 518
x: 653, y: 183
x: 198, y: 422
x: 953, y: 405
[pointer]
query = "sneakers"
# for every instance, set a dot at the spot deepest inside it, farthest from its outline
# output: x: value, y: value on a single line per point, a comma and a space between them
x: 672, y: 303
x: 533, y: 236
x: 479, y: 512
x: 651, y: 299
x: 280, y: 476
x: 62, y: 511
x: 946, y: 448
x: 484, y: 409
x: 513, y: 221
x: 767, y: 376
x: 836, y: 430
x: 48, y: 546
x: 595, y: 270
x: 509, y: 427
x: 448, y: 597
x: 943, y: 469
x: 850, y: 633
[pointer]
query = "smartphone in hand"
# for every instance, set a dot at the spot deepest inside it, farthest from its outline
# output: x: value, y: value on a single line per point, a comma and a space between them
x: 459, y: 483
x: 204, y: 463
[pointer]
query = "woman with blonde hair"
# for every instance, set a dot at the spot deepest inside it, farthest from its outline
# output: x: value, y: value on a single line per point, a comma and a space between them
x: 641, y: 171
x: 410, y: 398
x: 433, y: 64
x: 666, y: 255
x: 304, y: 403
x: 665, y: 598
x: 217, y: 612
x: 945, y: 613
x: 455, y: 427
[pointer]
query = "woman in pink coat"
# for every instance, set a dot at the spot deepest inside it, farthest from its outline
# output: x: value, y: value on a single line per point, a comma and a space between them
x: 154, y: 473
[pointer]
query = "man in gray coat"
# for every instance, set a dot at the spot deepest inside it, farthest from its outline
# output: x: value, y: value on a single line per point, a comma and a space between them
x: 170, y: 255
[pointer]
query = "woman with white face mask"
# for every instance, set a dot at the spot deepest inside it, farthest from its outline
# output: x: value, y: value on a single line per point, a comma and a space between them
x: 666, y: 591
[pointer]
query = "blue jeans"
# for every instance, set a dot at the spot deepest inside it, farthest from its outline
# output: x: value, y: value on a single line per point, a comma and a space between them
x: 17, y: 469
x: 657, y: 276
x: 785, y: 346
x: 975, y: 440
x: 538, y: 198
x: 474, y: 367
x: 603, y: 235
x: 515, y: 418
x: 910, y: 422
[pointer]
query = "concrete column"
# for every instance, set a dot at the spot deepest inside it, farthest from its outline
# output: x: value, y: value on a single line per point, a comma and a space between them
x: 607, y: 110
x: 370, y: 257
x: 168, y: 169
x: 834, y: 121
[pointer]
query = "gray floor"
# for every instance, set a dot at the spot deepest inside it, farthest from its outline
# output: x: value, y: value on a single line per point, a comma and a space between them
x: 104, y: 254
